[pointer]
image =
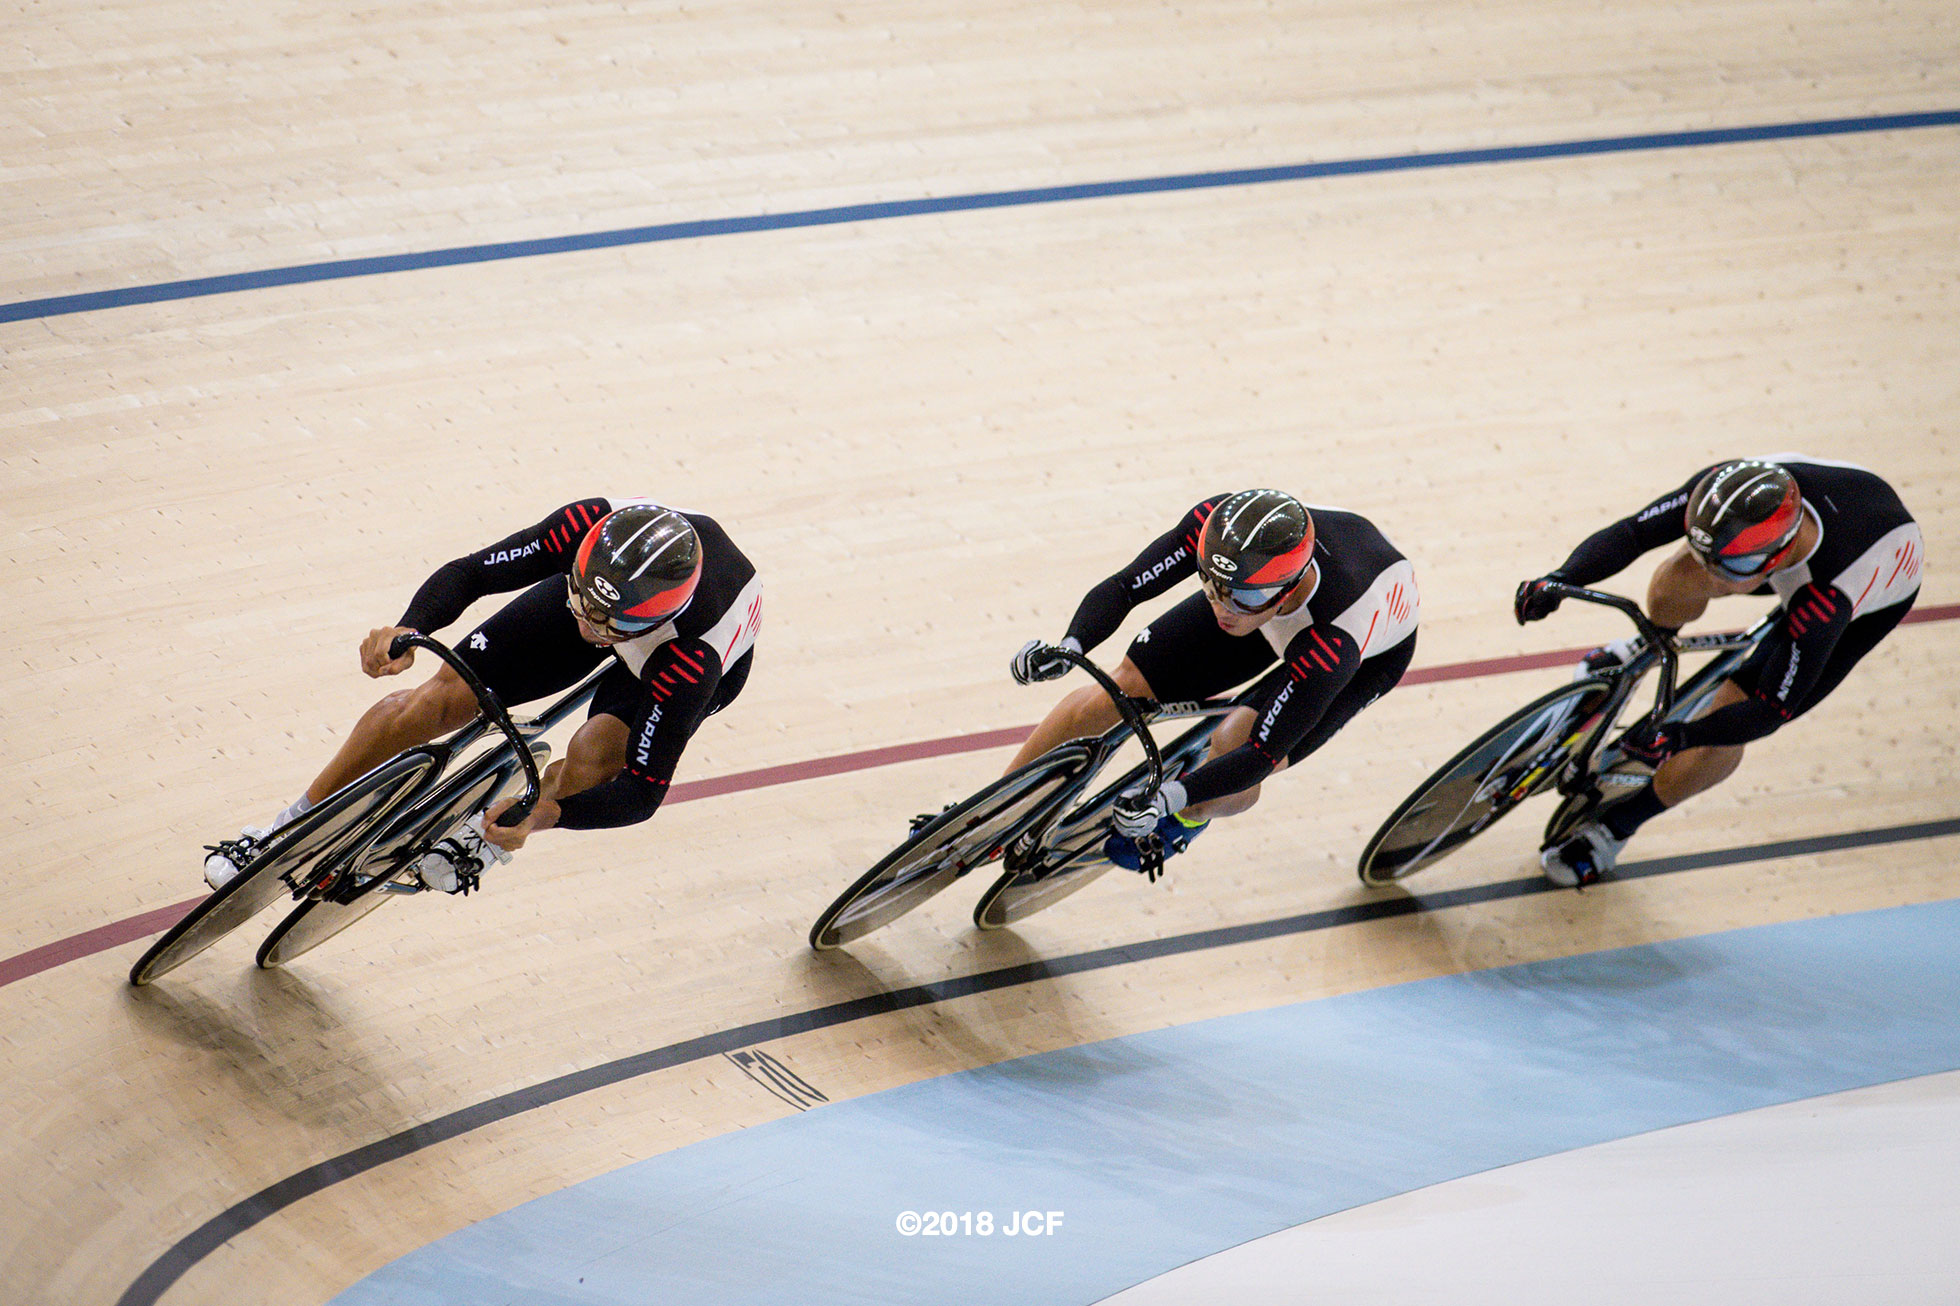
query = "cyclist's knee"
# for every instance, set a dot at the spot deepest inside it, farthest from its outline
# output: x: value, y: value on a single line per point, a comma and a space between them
x: 443, y: 701
x: 1130, y: 680
x: 1233, y: 731
x: 595, y: 754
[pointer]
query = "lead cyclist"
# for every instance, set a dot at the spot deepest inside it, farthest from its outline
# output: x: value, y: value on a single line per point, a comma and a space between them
x: 1832, y: 540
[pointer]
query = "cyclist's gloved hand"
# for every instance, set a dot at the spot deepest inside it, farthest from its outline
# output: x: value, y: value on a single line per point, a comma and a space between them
x: 1535, y: 601
x: 1651, y: 743
x: 1136, y: 813
x: 1038, y: 661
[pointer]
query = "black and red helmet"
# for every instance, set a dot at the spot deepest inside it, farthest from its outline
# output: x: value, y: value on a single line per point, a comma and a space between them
x: 636, y: 569
x: 1254, y: 548
x: 1743, y: 518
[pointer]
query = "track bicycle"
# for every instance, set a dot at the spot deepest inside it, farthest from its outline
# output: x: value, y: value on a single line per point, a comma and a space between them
x: 1040, y: 820
x: 357, y: 848
x: 1555, y: 742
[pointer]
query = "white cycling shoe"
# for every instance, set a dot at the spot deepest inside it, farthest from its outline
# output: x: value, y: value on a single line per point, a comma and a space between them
x: 456, y: 864
x: 231, y: 856
x: 1586, y: 854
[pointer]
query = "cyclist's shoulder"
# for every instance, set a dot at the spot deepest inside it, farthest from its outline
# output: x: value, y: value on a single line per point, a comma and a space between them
x: 1350, y: 541
x: 1840, y: 486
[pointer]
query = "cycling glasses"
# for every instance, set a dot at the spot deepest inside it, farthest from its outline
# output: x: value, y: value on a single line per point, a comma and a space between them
x: 614, y: 629
x: 1246, y: 600
x: 1745, y: 566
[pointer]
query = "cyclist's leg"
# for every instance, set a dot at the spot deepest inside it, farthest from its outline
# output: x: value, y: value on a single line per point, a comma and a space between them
x: 1697, y: 770
x: 1680, y: 589
x: 1182, y: 654
x: 527, y: 649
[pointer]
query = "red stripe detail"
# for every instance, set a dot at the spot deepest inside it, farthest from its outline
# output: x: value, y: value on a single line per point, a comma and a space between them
x: 1903, y: 555
x: 1290, y: 563
x: 1323, y: 643
x: 1766, y: 533
x: 1868, y: 589
x: 681, y: 653
x: 1371, y: 633
x: 692, y: 680
x: 128, y: 930
x: 1824, y: 597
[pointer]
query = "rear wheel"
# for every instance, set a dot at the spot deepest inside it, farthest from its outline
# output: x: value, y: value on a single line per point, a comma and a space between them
x: 298, y: 855
x: 1516, y: 758
x: 964, y: 836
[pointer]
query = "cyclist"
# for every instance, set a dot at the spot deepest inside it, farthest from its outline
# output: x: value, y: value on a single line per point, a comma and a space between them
x: 665, y: 594
x: 1333, y: 605
x: 1830, y: 539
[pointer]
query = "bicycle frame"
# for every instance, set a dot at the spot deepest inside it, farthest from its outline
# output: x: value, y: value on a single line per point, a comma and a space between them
x: 1104, y: 747
x: 1672, y: 702
x: 424, y: 804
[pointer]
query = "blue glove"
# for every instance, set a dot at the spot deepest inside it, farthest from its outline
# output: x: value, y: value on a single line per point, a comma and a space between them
x: 1136, y: 813
x: 1038, y: 661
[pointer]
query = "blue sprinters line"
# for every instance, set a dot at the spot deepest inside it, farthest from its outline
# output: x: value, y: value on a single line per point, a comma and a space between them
x: 443, y: 258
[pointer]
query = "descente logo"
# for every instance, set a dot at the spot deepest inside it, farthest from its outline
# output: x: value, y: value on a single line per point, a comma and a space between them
x: 512, y: 555
x: 1701, y: 538
x: 1222, y: 563
x: 605, y: 588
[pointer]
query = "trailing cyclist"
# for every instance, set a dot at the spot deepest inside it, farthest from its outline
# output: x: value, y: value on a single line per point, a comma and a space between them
x: 1830, y: 539
x: 664, y: 593
x: 1333, y: 603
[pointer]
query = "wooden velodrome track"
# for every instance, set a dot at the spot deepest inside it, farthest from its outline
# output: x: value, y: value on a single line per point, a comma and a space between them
x: 932, y: 431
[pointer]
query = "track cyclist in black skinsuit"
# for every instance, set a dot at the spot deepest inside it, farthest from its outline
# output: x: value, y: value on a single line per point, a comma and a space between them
x: 1831, y: 540
x: 664, y: 593
x: 1334, y: 607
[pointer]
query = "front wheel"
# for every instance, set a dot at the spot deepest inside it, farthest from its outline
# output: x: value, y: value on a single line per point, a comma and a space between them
x: 295, y: 856
x: 1514, y: 759
x: 964, y: 836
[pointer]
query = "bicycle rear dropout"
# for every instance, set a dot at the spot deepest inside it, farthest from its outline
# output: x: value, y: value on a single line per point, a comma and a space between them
x: 1026, y: 819
x: 1557, y: 741
x: 328, y: 857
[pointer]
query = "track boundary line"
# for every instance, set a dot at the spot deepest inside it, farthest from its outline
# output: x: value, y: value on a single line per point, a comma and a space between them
x: 342, y: 269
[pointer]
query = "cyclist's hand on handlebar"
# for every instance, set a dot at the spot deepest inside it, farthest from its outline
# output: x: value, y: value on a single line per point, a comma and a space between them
x: 374, y: 652
x: 1136, y: 813
x: 1535, y: 601
x: 1652, y: 743
x: 1039, y: 661
x: 511, y: 838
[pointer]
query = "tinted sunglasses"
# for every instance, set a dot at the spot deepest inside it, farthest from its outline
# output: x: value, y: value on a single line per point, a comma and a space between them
x: 612, y: 627
x: 1247, y: 600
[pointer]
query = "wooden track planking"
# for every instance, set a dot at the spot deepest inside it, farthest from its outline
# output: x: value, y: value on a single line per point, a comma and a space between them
x: 907, y: 424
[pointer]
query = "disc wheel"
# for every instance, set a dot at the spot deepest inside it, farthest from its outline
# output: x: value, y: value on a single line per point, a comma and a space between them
x: 1516, y: 758
x: 964, y: 836
x: 296, y: 855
